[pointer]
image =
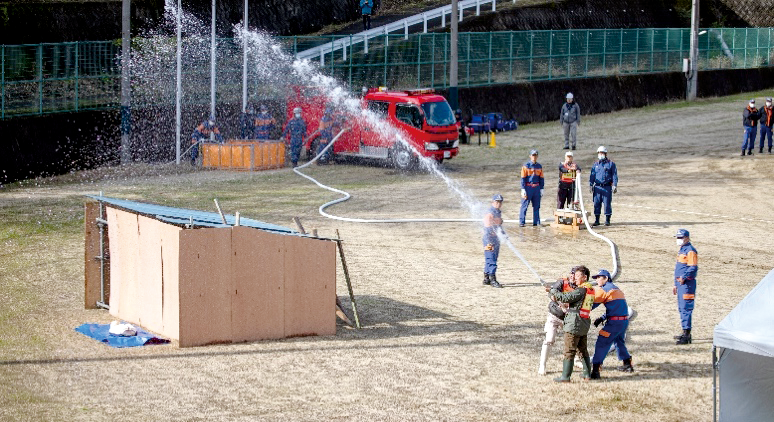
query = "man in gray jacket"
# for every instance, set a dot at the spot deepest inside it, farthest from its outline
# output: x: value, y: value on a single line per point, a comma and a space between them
x: 570, y: 117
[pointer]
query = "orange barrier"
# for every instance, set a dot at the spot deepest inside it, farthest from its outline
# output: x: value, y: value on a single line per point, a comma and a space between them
x: 244, y: 155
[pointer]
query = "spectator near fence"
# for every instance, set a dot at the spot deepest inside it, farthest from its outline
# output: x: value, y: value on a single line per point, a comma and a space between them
x: 365, y: 9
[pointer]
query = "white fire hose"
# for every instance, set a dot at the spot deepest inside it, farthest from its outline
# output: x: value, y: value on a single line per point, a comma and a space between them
x: 613, y: 248
x: 503, y: 237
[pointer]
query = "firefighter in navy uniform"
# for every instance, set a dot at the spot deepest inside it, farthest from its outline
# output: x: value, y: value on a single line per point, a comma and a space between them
x: 493, y: 221
x: 576, y: 323
x: 264, y: 124
x: 603, y: 179
x: 461, y: 127
x: 326, y: 134
x: 294, y: 133
x: 685, y: 283
x: 616, y: 319
x: 202, y: 133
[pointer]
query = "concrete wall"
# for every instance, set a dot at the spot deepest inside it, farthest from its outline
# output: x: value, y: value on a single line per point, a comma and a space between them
x: 219, y: 285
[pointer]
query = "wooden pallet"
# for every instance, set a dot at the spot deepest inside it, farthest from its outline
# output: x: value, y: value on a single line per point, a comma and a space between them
x: 568, y: 219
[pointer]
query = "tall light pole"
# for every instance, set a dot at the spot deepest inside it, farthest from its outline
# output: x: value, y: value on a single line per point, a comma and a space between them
x: 178, y: 82
x: 212, y: 69
x: 244, y: 61
x: 126, y: 114
x: 693, y: 63
x: 453, y: 96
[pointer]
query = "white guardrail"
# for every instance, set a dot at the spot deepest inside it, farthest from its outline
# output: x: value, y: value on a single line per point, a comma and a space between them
x: 403, y: 24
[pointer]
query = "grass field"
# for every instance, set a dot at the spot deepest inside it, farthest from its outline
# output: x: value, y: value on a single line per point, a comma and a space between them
x: 436, y: 344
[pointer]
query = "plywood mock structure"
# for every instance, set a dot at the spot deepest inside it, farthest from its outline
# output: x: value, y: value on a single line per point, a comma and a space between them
x: 219, y: 284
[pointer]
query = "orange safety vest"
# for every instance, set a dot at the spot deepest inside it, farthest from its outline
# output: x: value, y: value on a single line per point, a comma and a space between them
x: 588, y: 303
x: 568, y: 176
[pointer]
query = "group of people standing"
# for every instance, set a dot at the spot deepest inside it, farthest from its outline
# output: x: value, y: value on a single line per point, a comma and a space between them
x: 751, y: 116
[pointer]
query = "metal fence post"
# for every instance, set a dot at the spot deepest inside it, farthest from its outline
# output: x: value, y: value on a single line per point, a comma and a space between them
x: 745, y: 49
x: 586, y: 70
x: 489, y: 77
x: 604, y: 52
x: 652, y: 47
x: 467, y: 62
x: 351, y: 50
x: 77, y: 74
x: 2, y: 81
x: 637, y: 51
x: 510, y: 60
x: 432, y: 66
x: 620, y: 52
x: 569, y: 49
x: 419, y: 60
x: 531, y: 50
x: 666, y: 60
x: 445, y: 58
x: 386, y: 43
x: 40, y: 78
x: 550, y: 52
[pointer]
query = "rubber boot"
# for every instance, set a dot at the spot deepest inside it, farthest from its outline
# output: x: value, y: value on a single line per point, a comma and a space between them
x: 607, y: 220
x: 627, y: 366
x: 487, y: 280
x: 769, y: 150
x: 566, y: 371
x: 749, y: 152
x: 543, y: 359
x: 760, y: 151
x: 586, y: 369
x: 595, y: 372
x: 742, y: 153
x: 596, y: 220
x: 685, y: 338
x: 493, y: 281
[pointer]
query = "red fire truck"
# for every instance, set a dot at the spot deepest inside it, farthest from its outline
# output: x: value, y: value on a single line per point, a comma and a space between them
x: 423, y: 118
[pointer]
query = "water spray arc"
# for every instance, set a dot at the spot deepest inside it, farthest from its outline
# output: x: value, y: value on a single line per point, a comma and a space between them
x: 346, y: 196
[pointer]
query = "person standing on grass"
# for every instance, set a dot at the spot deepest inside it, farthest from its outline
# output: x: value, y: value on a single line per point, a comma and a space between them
x: 493, y: 221
x: 555, y: 318
x: 750, y: 117
x: 568, y: 171
x: 576, y: 323
x: 767, y: 120
x: 569, y: 118
x: 616, y: 319
x: 603, y: 180
x: 532, y: 184
x: 685, y: 283
x: 365, y: 9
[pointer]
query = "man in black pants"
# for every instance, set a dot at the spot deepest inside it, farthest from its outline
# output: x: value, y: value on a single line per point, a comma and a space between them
x: 568, y: 171
x: 365, y: 9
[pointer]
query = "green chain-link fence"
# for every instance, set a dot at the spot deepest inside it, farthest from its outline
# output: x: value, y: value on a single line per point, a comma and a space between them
x: 49, y: 78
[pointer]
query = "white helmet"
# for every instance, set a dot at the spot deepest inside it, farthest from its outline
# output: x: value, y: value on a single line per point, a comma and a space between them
x: 297, y: 110
x: 602, y: 149
x: 569, y: 96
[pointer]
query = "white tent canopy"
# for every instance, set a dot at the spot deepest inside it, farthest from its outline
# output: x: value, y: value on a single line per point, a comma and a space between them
x: 746, y: 364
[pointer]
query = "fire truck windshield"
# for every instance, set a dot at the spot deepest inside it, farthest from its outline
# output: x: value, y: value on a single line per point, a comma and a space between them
x: 438, y: 113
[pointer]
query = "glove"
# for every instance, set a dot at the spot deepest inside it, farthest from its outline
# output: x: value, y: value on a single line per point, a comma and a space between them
x: 598, y: 321
x: 489, y: 247
x: 524, y: 193
x: 541, y: 192
x: 591, y: 188
x: 615, y: 189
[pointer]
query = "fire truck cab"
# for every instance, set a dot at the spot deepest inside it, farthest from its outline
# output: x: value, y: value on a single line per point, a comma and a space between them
x: 423, y: 118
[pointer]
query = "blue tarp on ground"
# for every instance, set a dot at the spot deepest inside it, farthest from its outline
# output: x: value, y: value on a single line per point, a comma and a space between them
x: 100, y: 332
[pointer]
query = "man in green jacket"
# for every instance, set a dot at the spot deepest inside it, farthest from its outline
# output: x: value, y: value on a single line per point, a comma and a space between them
x: 576, y: 323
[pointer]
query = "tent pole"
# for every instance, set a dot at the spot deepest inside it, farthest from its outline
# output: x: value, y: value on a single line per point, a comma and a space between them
x: 714, y: 384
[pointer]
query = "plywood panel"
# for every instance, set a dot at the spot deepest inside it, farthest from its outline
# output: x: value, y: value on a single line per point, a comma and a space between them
x: 149, y: 274
x: 310, y: 287
x: 170, y: 271
x: 205, y: 286
x: 124, y: 260
x: 258, y: 294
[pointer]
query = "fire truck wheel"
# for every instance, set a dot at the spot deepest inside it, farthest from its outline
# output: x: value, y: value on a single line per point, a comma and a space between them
x: 403, y: 159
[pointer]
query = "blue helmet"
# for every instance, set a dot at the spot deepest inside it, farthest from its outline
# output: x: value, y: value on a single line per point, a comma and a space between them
x: 681, y: 233
x: 602, y: 273
x: 209, y: 124
x: 497, y: 197
x: 533, y: 152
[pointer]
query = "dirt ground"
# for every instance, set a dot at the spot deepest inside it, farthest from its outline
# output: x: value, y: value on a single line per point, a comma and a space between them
x: 436, y: 344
